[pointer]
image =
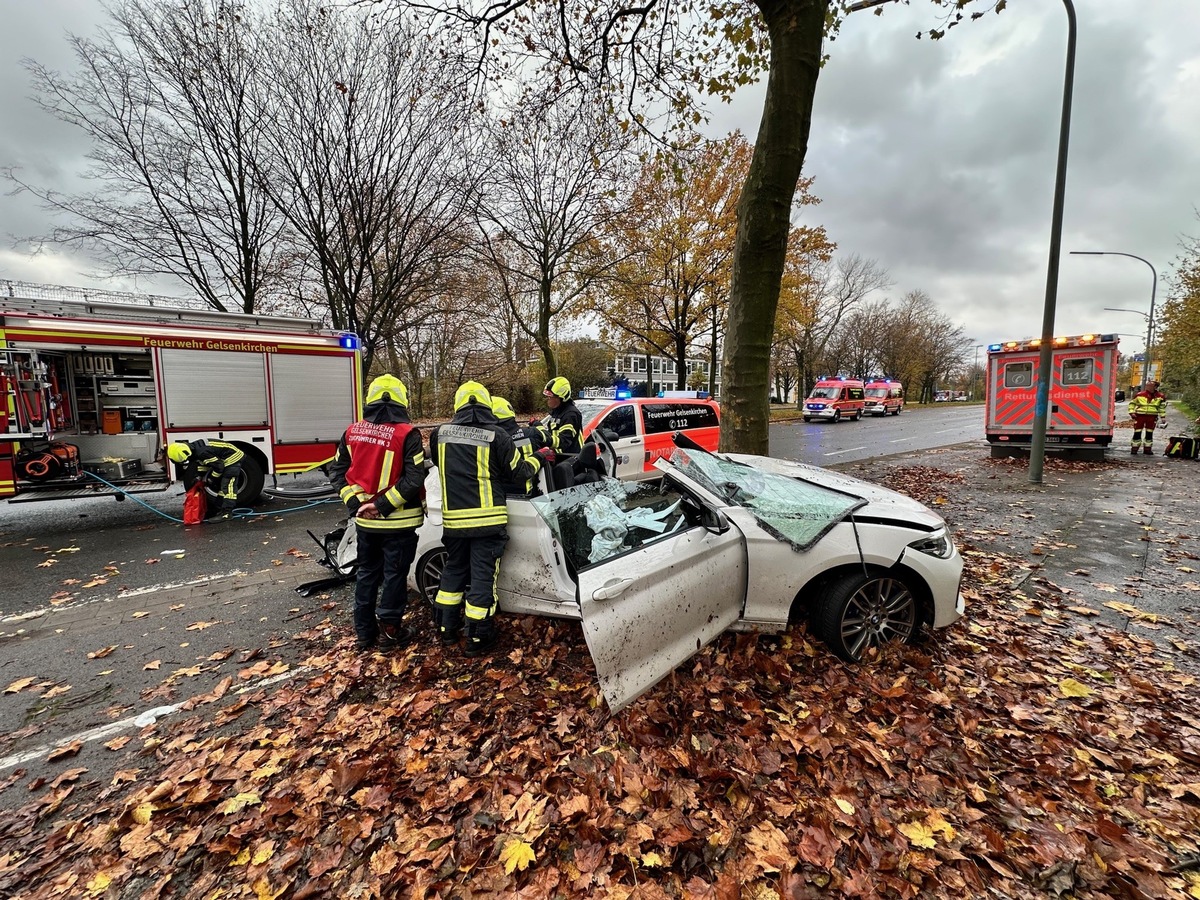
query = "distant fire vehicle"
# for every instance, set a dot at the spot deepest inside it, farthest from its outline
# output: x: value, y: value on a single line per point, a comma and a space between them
x: 1082, y: 390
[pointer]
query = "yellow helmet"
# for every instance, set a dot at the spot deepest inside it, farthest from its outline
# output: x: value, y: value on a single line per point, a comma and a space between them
x: 387, y: 387
x: 502, y: 408
x: 471, y: 392
x: 558, y: 387
x: 179, y: 453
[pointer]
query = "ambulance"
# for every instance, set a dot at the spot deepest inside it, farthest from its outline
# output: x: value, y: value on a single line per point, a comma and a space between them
x: 883, y: 397
x: 91, y: 392
x: 835, y: 399
x: 1083, y: 383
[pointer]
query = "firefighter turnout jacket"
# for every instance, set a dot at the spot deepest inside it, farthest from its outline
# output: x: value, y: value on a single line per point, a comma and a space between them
x: 212, y: 458
x: 561, y: 429
x: 381, y: 460
x: 1148, y: 402
x: 476, y: 458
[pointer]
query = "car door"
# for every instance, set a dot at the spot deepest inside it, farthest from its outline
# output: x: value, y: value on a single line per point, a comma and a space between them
x: 621, y: 425
x: 647, y: 611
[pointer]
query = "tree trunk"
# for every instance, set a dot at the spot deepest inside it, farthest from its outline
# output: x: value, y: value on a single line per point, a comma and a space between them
x: 796, y: 29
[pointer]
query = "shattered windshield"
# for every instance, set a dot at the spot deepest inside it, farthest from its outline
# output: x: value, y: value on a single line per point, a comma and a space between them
x: 795, y: 511
x: 594, y: 522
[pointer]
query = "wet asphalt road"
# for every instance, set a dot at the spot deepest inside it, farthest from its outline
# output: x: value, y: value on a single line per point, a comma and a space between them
x: 108, y: 610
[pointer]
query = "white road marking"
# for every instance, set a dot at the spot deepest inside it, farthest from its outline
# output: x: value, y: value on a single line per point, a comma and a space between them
x: 840, y: 452
x: 141, y: 720
x: 124, y: 595
x: 900, y: 440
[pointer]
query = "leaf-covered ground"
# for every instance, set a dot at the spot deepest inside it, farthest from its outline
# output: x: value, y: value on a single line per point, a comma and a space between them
x: 1027, y: 752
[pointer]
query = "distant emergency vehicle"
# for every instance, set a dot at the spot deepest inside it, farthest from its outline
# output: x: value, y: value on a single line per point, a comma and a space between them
x: 101, y: 388
x: 640, y: 428
x: 1083, y: 383
x: 883, y: 397
x: 835, y: 399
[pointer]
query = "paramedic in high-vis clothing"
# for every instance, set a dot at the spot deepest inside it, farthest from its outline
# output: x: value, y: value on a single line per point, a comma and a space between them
x: 1148, y: 409
x: 216, y: 462
x: 475, y: 458
x: 562, y: 429
x: 506, y: 417
x: 379, y: 472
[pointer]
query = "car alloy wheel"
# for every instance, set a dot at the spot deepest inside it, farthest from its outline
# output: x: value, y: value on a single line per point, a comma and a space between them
x: 861, y: 612
x: 429, y: 573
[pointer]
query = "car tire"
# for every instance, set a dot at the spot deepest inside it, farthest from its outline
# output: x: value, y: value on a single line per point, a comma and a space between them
x: 837, y: 416
x: 896, y: 411
x: 860, y: 611
x: 429, y: 573
x: 250, y: 483
x: 807, y: 418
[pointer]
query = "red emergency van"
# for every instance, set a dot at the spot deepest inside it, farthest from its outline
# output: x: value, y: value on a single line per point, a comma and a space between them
x: 883, y: 397
x: 1083, y: 383
x: 640, y: 429
x: 835, y: 399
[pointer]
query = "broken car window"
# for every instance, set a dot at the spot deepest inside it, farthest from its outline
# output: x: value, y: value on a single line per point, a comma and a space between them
x: 797, y: 512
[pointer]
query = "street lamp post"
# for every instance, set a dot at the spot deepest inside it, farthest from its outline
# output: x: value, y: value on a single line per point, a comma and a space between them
x: 975, y: 372
x: 1153, y: 292
x: 1041, y: 408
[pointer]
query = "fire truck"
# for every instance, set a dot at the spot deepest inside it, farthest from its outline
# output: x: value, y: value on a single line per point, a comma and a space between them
x: 91, y: 392
x: 1083, y: 385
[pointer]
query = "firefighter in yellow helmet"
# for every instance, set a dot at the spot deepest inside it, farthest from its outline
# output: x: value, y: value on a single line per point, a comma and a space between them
x: 475, y: 458
x: 1147, y: 408
x: 506, y: 417
x: 562, y: 429
x: 379, y: 472
x: 214, y: 461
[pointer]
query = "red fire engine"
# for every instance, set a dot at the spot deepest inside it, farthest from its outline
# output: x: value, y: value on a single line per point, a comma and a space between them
x: 98, y: 388
x: 1083, y: 386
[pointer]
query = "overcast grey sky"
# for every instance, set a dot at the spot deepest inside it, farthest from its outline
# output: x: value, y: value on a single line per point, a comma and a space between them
x: 936, y: 159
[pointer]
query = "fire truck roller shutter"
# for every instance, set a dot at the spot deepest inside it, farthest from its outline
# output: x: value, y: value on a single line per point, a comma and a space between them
x: 204, y: 388
x: 313, y: 397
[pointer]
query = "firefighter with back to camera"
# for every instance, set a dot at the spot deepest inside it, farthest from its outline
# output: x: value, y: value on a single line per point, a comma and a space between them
x: 475, y: 458
x: 1148, y: 409
x: 379, y: 472
x: 506, y: 417
x: 562, y: 429
x: 216, y: 462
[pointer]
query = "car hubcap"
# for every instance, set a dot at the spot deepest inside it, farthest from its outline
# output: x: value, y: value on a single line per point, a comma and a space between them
x: 431, y: 574
x: 881, y: 610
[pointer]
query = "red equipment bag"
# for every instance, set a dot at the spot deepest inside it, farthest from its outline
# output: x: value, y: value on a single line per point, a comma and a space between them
x: 195, y: 504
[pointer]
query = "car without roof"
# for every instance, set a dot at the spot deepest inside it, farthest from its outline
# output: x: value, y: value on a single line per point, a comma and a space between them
x: 657, y: 569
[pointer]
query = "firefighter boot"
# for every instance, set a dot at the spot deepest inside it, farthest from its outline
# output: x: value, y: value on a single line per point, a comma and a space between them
x: 481, y: 637
x: 1148, y: 450
x: 449, y: 625
x: 393, y: 636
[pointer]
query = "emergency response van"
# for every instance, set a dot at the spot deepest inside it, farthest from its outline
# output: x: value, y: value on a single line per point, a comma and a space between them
x: 883, y: 397
x: 835, y: 399
x: 1083, y: 382
x: 92, y: 392
x: 640, y: 429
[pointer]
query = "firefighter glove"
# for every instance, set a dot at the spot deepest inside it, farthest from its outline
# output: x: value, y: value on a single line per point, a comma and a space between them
x: 546, y: 455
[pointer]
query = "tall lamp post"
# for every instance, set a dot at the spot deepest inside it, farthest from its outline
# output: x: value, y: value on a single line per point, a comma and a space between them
x: 975, y: 372
x: 1153, y: 292
x: 1041, y: 408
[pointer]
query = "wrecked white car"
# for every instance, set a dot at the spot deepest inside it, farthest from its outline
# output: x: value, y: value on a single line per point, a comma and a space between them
x: 657, y: 569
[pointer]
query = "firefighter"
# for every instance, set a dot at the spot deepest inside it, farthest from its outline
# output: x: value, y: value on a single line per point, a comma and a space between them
x: 1148, y: 409
x: 214, y: 461
x: 506, y: 417
x: 379, y: 472
x: 475, y: 457
x: 561, y: 430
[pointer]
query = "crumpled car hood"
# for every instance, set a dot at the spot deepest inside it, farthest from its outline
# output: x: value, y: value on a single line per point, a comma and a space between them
x: 882, y: 503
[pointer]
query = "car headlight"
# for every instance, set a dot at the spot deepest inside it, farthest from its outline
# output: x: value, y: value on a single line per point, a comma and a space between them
x: 937, y: 544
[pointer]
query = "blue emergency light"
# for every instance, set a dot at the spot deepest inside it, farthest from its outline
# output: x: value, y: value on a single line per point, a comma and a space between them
x: 348, y: 340
x: 624, y: 395
x: 994, y: 348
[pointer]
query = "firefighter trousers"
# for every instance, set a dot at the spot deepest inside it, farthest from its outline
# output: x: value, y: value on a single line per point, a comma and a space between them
x: 1143, y: 432
x: 468, y: 586
x: 384, y: 558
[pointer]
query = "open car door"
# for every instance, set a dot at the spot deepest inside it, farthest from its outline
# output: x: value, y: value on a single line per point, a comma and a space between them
x: 660, y: 574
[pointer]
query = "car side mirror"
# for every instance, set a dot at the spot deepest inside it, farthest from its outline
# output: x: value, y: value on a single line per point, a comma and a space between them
x: 713, y: 520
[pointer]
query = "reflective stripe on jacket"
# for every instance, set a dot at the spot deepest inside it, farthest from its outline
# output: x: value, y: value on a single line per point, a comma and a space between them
x: 1148, y: 403
x: 561, y: 429
x: 381, y: 463
x: 215, y: 455
x: 475, y: 460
